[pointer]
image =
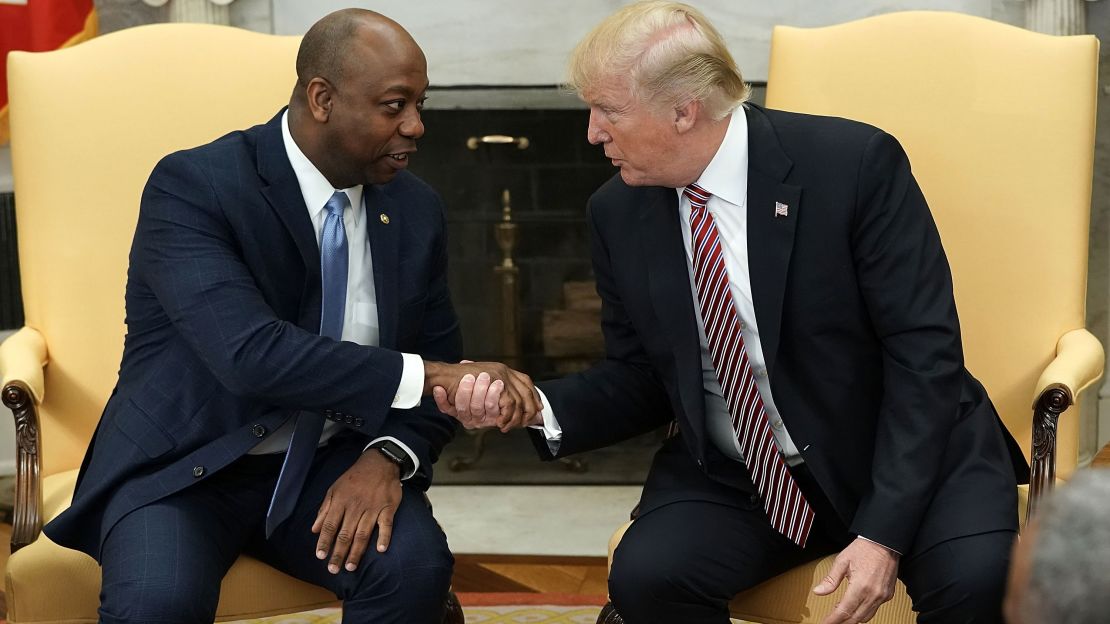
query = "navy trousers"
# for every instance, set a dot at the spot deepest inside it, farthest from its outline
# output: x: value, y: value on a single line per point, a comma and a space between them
x: 163, y: 563
x: 684, y: 562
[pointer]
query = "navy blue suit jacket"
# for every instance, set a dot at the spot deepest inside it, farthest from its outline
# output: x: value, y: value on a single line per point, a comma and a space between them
x: 853, y: 298
x: 223, y: 313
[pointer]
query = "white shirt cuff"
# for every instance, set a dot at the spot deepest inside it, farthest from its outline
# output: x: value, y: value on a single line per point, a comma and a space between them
x: 878, y: 544
x: 405, y: 447
x: 411, y: 387
x: 550, y: 427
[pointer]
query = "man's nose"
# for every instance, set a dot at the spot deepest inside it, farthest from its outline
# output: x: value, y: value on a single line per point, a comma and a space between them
x: 594, y: 133
x: 413, y: 126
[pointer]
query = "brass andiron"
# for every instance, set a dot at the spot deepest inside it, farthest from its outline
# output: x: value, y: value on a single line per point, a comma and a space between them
x: 509, y: 284
x: 497, y: 139
x: 507, y: 273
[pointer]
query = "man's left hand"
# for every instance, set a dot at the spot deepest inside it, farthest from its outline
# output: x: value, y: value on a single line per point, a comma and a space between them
x: 871, y: 570
x: 368, y: 494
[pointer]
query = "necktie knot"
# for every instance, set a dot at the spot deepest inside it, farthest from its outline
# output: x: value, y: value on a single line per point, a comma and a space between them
x: 698, y: 196
x: 337, y: 203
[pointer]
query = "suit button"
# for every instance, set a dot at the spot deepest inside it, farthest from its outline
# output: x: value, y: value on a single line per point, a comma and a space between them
x: 347, y: 418
x: 777, y: 423
x: 198, y: 471
x: 258, y: 431
x: 358, y: 422
x: 328, y: 413
x: 701, y: 463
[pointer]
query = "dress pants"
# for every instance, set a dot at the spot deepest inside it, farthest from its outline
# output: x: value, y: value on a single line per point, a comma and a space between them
x: 683, y: 562
x: 163, y: 562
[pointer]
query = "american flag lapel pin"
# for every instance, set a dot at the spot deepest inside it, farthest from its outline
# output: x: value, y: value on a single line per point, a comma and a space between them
x: 781, y: 210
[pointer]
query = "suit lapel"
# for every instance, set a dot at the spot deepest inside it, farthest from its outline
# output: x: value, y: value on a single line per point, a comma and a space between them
x: 770, y: 231
x: 669, y: 284
x: 385, y: 251
x: 283, y: 193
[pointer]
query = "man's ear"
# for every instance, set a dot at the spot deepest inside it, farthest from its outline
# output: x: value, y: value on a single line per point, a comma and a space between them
x: 686, y: 115
x: 319, y: 94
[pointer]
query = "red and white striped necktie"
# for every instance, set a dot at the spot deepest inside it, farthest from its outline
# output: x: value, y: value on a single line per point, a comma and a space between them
x: 784, y: 503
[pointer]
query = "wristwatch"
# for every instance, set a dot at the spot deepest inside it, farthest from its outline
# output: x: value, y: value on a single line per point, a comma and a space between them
x: 394, y: 453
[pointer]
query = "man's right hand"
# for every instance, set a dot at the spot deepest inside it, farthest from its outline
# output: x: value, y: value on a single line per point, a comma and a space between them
x: 495, y: 395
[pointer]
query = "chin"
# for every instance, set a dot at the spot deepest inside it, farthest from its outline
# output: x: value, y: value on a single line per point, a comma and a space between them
x: 382, y: 177
x: 632, y: 179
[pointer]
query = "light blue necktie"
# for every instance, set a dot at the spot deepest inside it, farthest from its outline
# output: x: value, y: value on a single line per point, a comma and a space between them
x: 309, y: 425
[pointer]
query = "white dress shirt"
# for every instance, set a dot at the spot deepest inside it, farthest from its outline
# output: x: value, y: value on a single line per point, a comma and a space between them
x: 360, y: 319
x: 726, y: 178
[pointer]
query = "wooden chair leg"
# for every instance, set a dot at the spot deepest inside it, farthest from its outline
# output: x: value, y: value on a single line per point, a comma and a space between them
x: 609, y: 615
x: 453, y: 613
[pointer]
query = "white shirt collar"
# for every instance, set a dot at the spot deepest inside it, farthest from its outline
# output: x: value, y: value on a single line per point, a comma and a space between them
x: 314, y: 186
x: 727, y: 174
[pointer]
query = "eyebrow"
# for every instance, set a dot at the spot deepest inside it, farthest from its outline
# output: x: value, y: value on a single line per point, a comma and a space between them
x: 404, y: 89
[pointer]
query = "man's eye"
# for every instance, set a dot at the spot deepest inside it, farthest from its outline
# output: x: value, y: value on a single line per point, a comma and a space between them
x: 420, y: 103
x: 395, y: 105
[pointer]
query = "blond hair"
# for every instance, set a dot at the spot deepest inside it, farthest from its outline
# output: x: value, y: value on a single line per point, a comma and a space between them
x: 669, y: 51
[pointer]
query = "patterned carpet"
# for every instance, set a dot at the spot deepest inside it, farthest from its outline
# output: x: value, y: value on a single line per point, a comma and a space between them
x: 505, y: 614
x: 486, y: 608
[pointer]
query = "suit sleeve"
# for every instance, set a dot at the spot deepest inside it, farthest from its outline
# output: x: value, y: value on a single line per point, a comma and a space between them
x: 907, y: 285
x: 617, y: 398
x: 424, y: 429
x: 187, y: 254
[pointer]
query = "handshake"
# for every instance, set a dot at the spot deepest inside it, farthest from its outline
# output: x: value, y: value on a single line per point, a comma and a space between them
x: 484, y: 394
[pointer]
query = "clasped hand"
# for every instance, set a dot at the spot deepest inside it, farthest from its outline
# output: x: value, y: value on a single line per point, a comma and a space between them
x: 484, y: 394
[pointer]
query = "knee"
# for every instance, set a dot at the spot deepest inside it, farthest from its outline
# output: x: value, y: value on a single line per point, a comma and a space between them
x: 971, y: 592
x: 640, y: 582
x: 417, y: 564
x: 979, y: 591
x: 631, y: 578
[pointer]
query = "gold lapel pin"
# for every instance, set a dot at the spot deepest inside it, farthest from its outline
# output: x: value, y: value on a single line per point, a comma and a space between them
x: 384, y: 217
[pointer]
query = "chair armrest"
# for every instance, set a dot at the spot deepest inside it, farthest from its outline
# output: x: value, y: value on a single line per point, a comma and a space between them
x: 1078, y: 364
x: 22, y: 358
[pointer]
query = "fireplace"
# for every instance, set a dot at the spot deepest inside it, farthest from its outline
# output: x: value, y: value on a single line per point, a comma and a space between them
x: 558, y: 311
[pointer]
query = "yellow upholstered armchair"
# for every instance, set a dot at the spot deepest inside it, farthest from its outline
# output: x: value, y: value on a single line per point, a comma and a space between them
x: 88, y: 124
x: 999, y: 125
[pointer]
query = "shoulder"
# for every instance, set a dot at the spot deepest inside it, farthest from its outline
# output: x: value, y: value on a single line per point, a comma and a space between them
x: 820, y: 132
x: 212, y: 160
x: 834, y: 146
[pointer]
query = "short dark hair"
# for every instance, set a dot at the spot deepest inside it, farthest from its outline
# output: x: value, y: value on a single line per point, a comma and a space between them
x: 324, y: 47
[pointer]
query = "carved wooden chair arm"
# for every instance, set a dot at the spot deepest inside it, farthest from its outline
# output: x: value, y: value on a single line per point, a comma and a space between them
x: 1078, y: 364
x: 22, y: 358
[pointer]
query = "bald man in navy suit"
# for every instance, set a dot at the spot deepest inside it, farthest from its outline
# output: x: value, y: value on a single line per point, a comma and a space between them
x: 287, y: 311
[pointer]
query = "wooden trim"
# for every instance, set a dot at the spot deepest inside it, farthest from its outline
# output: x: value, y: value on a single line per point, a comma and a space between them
x: 1046, y: 415
x: 579, y: 560
x: 27, y: 516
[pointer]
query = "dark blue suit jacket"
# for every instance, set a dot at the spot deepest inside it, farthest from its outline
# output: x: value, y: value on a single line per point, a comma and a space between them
x: 223, y: 314
x: 853, y: 298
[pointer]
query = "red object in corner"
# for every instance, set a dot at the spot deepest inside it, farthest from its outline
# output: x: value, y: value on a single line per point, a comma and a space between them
x: 38, y: 26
